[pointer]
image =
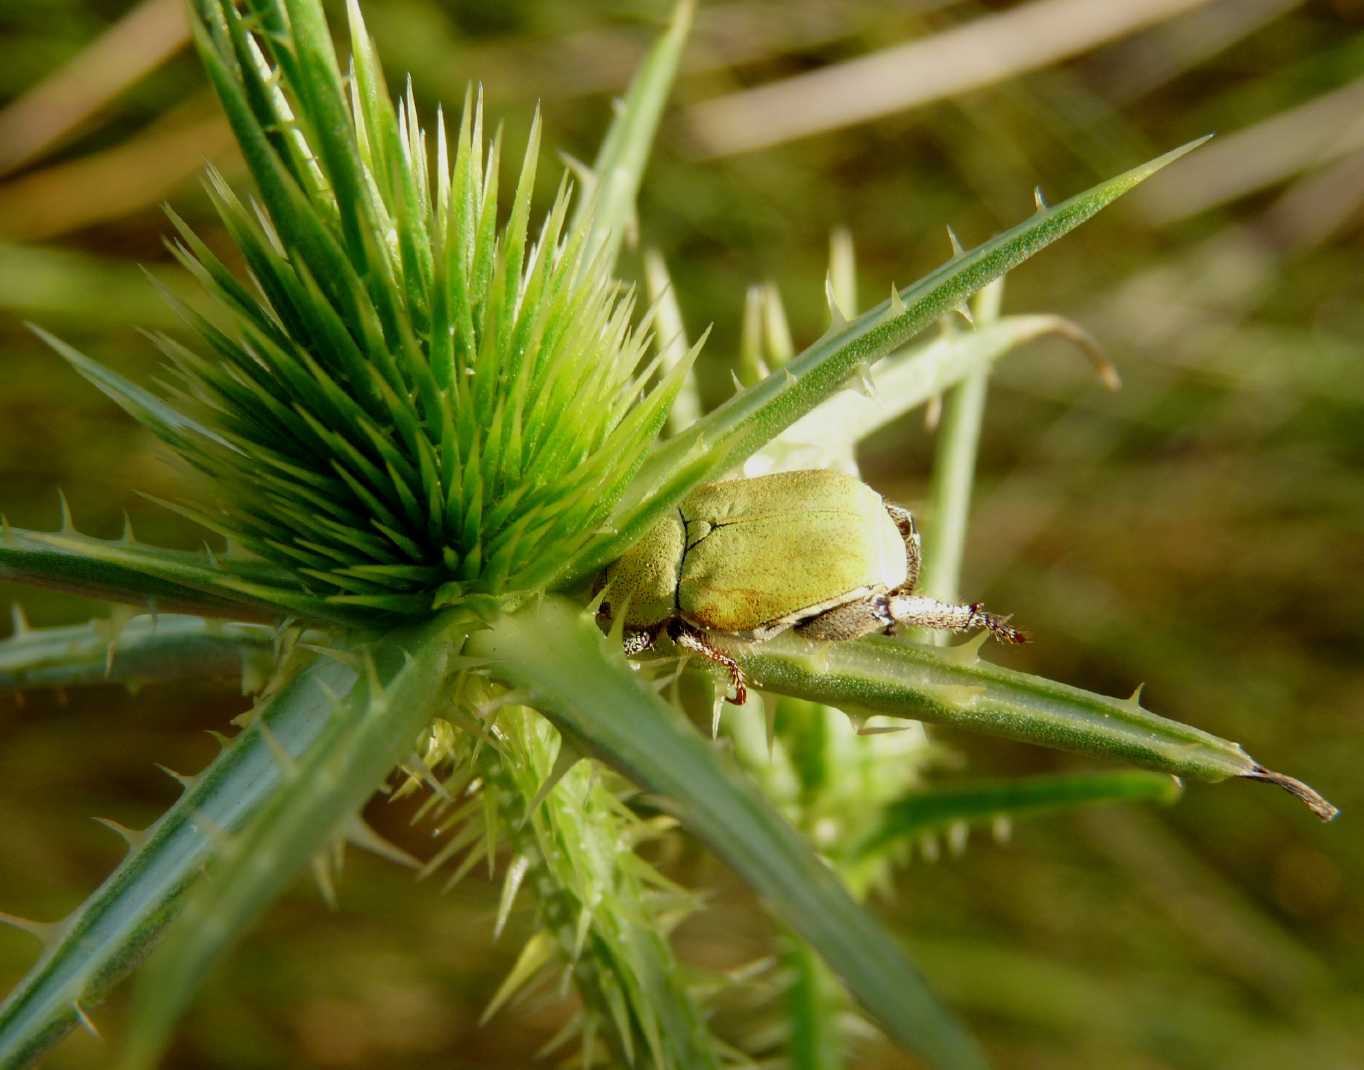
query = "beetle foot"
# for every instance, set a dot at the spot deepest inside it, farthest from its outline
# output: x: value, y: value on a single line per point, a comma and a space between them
x: 689, y: 638
x: 999, y: 627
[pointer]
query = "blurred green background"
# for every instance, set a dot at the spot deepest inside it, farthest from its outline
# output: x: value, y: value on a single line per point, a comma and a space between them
x: 1202, y: 530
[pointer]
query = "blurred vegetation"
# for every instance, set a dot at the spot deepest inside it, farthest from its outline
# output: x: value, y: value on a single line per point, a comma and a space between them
x: 1200, y: 530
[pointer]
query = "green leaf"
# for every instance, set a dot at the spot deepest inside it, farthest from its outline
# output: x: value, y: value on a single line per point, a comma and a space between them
x: 741, y: 426
x: 940, y: 808
x: 176, y: 580
x: 907, y: 379
x: 580, y: 681
x: 113, y: 929
x: 813, y: 1005
x: 953, y: 686
x: 367, y: 733
x: 162, y: 647
x: 624, y: 151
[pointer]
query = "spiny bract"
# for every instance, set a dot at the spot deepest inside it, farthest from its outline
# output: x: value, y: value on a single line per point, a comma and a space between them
x: 399, y: 424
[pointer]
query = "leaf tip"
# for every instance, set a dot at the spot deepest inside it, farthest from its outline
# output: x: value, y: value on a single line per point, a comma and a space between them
x: 1313, y: 799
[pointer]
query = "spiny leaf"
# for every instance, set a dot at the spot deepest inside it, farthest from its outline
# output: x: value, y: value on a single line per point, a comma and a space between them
x: 954, y: 686
x: 117, y: 924
x: 940, y: 808
x: 366, y: 734
x: 165, y: 647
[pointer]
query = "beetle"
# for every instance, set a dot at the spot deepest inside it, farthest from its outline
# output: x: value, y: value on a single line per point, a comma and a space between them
x: 816, y: 551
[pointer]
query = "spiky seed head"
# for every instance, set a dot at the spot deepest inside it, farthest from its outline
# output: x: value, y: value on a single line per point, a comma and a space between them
x: 414, y: 401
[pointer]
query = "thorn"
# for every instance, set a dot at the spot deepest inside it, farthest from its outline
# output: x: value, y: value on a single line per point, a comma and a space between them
x: 44, y: 931
x: 717, y: 704
x: 415, y: 772
x: 322, y: 874
x: 734, y: 378
x: 1135, y: 697
x: 1039, y: 199
x: 376, y: 688
x: 933, y: 413
x: 964, y: 312
x: 19, y: 620
x: 516, y: 873
x: 865, y: 729
x: 222, y: 739
x: 118, y: 619
x: 535, y: 954
x: 210, y: 556
x: 587, y: 178
x: 565, y: 760
x: 957, y: 250
x: 127, y: 538
x: 85, y: 1021
x: 358, y: 833
x: 968, y: 652
x: 185, y: 782
x: 134, y: 838
x: 593, y: 608
x: 862, y: 380
x: 837, y: 317
x: 897, y: 303
x: 68, y: 526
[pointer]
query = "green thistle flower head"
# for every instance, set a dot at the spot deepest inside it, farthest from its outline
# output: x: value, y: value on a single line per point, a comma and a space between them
x: 414, y: 402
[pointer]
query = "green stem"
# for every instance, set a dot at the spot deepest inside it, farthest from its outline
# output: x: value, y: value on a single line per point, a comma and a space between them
x: 813, y: 1001
x: 954, y: 468
x: 954, y: 465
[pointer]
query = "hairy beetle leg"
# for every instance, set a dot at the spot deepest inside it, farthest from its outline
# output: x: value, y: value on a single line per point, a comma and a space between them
x: 918, y: 611
x: 689, y: 638
x: 889, y: 612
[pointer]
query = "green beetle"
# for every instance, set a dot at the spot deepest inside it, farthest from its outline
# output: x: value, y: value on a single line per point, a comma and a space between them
x: 816, y: 551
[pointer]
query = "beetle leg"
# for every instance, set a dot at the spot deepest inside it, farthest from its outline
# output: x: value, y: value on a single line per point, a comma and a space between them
x: 850, y: 621
x: 886, y: 612
x: 689, y: 638
x: 638, y: 640
x: 918, y: 611
x: 904, y: 520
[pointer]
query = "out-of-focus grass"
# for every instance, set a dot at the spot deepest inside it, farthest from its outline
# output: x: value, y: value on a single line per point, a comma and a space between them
x: 1199, y: 531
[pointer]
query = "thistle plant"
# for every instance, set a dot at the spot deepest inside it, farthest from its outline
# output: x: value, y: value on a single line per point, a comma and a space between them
x: 428, y: 421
